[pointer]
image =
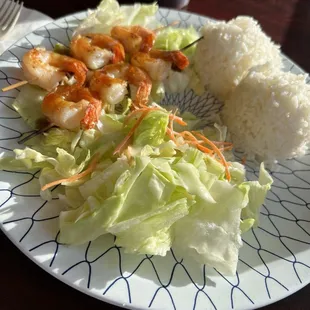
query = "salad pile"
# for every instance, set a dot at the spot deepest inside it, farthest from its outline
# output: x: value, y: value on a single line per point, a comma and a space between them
x: 142, y: 173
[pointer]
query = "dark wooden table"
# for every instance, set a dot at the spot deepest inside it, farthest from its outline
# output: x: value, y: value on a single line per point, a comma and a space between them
x: 23, y: 284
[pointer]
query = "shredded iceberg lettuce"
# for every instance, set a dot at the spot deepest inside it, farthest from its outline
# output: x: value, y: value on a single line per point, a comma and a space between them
x: 164, y: 195
x: 109, y: 14
x: 28, y: 105
x: 172, y: 39
x: 152, y: 130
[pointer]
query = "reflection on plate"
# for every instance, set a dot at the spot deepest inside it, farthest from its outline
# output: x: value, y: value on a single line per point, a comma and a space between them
x: 274, y: 261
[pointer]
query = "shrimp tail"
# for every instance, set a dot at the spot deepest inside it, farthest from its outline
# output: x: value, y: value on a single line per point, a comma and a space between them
x: 134, y: 38
x: 143, y: 95
x: 147, y: 44
x: 105, y: 41
x: 92, y: 111
x: 118, y: 54
x: 137, y: 76
x: 91, y: 117
x: 177, y: 58
x: 80, y: 72
x: 69, y: 64
x: 148, y: 38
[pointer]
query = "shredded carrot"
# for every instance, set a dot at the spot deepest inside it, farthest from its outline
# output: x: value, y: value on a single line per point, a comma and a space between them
x: 170, y: 129
x: 173, y: 117
x: 188, y: 134
x: 217, y: 151
x: 133, y: 106
x: 16, y: 85
x: 200, y: 147
x: 204, y: 149
x: 142, y: 105
x: 170, y: 133
x: 172, y: 120
x: 178, y: 119
x: 90, y: 169
x: 190, y: 142
x: 226, y: 148
x: 243, y: 160
x: 145, y: 110
x: 133, y: 113
x: 194, y: 141
x: 121, y: 146
x: 222, y: 143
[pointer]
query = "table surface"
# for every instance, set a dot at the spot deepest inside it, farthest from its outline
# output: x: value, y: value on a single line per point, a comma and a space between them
x: 24, y: 284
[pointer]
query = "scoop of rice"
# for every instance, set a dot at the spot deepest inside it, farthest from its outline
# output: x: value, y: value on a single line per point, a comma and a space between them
x: 268, y: 115
x: 229, y: 50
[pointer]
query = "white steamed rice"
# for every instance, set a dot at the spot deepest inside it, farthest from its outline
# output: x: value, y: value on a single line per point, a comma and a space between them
x: 229, y: 50
x: 268, y: 115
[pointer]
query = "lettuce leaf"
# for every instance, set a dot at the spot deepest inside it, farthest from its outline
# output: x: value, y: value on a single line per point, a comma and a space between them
x: 211, y: 232
x: 195, y: 83
x: 158, y: 92
x: 72, y: 197
x: 257, y: 194
x: 62, y: 165
x: 114, y: 207
x: 246, y: 225
x: 61, y: 49
x: 26, y: 159
x: 105, y: 180
x: 153, y: 236
x: 152, y: 130
x: 110, y: 123
x: 176, y: 82
x: 28, y: 105
x: 172, y: 38
x: 141, y: 14
x: 191, y: 120
x: 48, y: 142
x: 109, y: 14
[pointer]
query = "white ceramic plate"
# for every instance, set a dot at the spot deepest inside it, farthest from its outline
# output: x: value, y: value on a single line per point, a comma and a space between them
x: 274, y: 261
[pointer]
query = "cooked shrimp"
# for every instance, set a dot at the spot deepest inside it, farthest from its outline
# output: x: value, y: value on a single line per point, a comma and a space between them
x: 111, y: 83
x: 97, y: 50
x: 111, y: 90
x: 177, y: 58
x: 134, y: 38
x: 47, y: 69
x: 156, y: 68
x: 72, y: 107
